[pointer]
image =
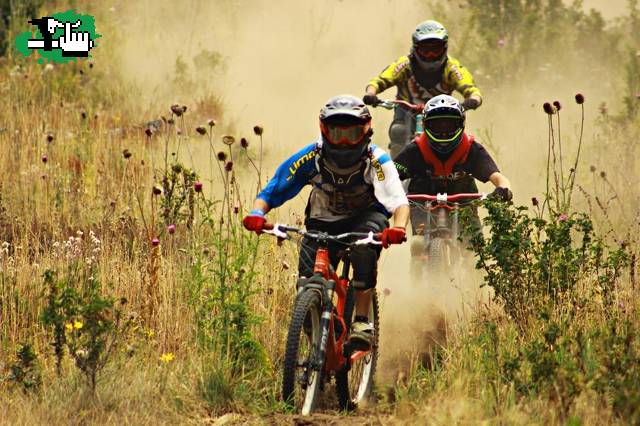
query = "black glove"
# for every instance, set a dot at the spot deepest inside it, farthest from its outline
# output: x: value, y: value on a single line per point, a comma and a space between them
x: 469, y: 103
x: 503, y: 194
x: 369, y: 99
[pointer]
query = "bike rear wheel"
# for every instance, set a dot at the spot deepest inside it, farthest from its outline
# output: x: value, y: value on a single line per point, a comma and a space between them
x: 302, y: 370
x: 354, y: 386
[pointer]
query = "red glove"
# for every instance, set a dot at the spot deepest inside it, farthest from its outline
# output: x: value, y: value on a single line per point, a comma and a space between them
x: 395, y: 235
x: 254, y: 221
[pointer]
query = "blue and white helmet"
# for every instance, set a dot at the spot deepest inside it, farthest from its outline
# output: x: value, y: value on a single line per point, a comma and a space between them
x: 443, y: 120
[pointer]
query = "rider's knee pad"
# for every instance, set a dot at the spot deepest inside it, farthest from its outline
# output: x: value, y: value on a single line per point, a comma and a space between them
x: 398, y: 134
x: 365, y: 267
x: 417, y: 245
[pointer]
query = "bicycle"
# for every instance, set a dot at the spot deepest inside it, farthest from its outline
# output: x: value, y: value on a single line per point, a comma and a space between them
x: 317, y: 346
x: 411, y: 120
x: 440, y: 250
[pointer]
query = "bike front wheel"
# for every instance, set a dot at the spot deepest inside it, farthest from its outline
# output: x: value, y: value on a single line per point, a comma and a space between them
x: 302, y: 370
x: 354, y: 385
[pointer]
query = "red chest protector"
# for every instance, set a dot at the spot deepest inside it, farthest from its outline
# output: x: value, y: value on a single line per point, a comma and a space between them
x: 458, y: 156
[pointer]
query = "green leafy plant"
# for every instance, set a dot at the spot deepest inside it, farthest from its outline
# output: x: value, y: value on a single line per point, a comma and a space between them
x: 86, y: 323
x: 25, y: 371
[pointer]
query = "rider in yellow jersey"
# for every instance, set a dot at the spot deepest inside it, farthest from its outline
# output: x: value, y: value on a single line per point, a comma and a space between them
x: 426, y: 72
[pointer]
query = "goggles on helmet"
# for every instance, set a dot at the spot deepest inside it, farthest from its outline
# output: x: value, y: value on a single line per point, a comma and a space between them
x: 444, y: 129
x: 345, y: 135
x: 430, y: 49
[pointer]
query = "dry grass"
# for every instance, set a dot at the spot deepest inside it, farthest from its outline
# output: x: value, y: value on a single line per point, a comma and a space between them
x: 82, y: 119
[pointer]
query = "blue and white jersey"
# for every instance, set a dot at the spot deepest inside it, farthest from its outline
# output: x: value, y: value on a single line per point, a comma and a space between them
x: 379, y: 175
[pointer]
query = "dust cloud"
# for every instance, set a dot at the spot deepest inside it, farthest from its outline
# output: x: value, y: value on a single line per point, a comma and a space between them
x: 283, y: 59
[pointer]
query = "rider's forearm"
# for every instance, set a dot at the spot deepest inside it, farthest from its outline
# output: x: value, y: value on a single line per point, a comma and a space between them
x: 261, y: 204
x: 401, y: 216
x: 500, y: 180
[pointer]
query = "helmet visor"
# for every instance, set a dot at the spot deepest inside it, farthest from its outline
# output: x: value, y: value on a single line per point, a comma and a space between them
x: 444, y: 129
x: 345, y: 135
x: 430, y: 50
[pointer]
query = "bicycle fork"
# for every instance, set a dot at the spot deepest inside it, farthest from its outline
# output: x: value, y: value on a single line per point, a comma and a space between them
x: 325, y: 326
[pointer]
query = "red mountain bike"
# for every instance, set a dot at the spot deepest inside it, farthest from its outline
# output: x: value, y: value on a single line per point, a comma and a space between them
x: 441, y: 249
x: 317, y: 347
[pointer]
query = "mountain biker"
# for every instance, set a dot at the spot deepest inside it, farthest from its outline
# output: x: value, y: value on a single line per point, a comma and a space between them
x: 426, y: 72
x: 445, y: 159
x: 355, y: 188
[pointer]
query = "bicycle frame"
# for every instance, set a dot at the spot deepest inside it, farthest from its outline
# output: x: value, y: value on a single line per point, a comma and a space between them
x: 332, y: 347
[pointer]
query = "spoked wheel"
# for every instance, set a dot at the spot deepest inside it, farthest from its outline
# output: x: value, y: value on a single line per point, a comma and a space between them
x: 438, y: 255
x: 302, y: 370
x: 355, y: 385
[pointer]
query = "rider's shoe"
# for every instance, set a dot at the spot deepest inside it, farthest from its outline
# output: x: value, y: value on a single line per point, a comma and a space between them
x: 361, y: 336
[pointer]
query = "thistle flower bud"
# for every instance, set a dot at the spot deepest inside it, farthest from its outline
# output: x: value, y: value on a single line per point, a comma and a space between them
x: 228, y: 140
x: 171, y: 229
x: 156, y: 190
x: 171, y: 121
x: 592, y: 168
x: 548, y: 108
x: 557, y: 105
x: 50, y: 137
x: 563, y: 218
x: 177, y: 168
x: 244, y: 143
x: 603, y: 174
x: 202, y: 130
x: 178, y: 131
x: 258, y: 130
x: 579, y: 98
x: 236, y: 209
x: 177, y: 110
x: 126, y: 154
x: 45, y: 158
x: 228, y: 166
x: 534, y: 201
x: 197, y: 186
x: 83, y: 114
x: 386, y: 291
x: 148, y: 131
x: 222, y: 156
x: 211, y: 122
x: 155, y: 242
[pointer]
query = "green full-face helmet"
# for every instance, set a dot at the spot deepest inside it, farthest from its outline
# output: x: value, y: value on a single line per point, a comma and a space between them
x: 429, y: 44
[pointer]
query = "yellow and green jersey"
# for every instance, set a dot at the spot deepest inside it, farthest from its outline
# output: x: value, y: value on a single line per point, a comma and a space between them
x: 399, y: 73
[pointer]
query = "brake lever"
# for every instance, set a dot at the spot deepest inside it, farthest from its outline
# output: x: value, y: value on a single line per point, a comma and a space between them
x: 278, y: 233
x: 368, y: 240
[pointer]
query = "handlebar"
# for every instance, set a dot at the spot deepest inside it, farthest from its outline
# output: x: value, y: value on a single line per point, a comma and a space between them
x: 445, y: 198
x: 282, y: 232
x: 391, y: 104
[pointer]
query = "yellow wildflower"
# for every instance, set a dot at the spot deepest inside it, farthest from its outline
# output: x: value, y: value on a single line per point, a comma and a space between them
x: 68, y: 326
x: 167, y: 358
x: 77, y: 325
